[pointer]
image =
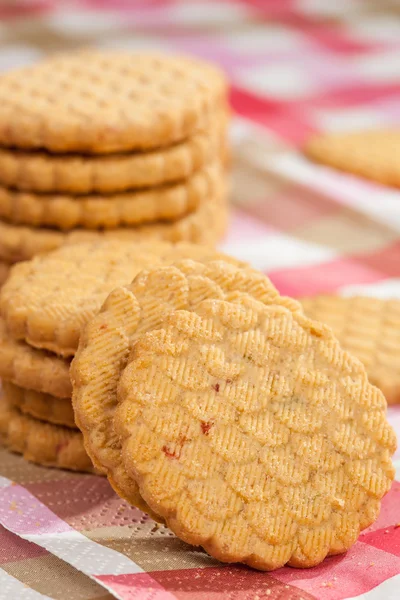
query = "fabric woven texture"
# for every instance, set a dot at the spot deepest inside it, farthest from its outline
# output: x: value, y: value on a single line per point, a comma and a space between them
x: 297, y: 67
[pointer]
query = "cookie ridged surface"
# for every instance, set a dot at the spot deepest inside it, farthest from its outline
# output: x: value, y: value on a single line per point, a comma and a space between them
x: 106, y: 342
x: 85, y: 174
x: 254, y: 434
x: 31, y: 368
x: 371, y: 154
x: 369, y: 328
x: 47, y: 300
x: 42, y: 443
x: 40, y: 406
x: 165, y: 203
x: 205, y: 225
x: 99, y: 102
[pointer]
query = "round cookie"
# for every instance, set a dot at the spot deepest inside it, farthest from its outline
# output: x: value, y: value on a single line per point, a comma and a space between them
x: 111, y: 173
x: 254, y: 434
x: 369, y: 328
x: 371, y: 154
x: 40, y: 406
x: 42, y: 443
x: 33, y: 369
x: 206, y: 225
x: 165, y: 203
x: 99, y: 102
x: 107, y: 340
x: 47, y: 300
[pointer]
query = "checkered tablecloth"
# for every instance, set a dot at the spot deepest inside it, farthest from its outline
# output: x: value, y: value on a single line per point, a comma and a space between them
x: 296, y: 67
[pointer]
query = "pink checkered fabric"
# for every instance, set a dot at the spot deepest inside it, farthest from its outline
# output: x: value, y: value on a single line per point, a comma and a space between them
x: 296, y: 67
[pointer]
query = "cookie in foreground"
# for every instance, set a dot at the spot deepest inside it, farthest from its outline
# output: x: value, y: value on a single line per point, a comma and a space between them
x: 106, y: 342
x: 253, y: 434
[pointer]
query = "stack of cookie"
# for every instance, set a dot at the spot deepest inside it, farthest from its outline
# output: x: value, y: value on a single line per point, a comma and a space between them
x: 101, y: 144
x: 44, y: 304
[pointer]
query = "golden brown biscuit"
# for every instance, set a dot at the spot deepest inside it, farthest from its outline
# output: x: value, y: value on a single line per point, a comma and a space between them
x: 165, y: 203
x: 40, y: 171
x: 369, y: 328
x: 40, y: 406
x: 47, y: 300
x: 254, y: 434
x: 205, y: 226
x: 107, y: 340
x: 371, y: 154
x: 31, y: 368
x: 99, y: 102
x: 42, y: 443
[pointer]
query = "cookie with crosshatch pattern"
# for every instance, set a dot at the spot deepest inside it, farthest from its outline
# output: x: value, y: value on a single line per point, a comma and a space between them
x: 97, y: 101
x: 369, y: 328
x: 48, y: 300
x: 253, y: 434
x: 106, y: 342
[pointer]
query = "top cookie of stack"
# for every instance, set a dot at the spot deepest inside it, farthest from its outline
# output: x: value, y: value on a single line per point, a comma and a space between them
x: 122, y: 145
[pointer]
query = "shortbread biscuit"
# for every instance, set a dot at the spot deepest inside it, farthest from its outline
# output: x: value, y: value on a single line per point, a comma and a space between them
x: 107, y: 340
x: 34, y: 369
x: 369, y: 328
x: 40, y: 406
x: 371, y: 154
x: 47, y: 300
x: 254, y: 434
x: 165, y: 203
x: 111, y: 173
x: 4, y: 271
x: 99, y: 102
x: 42, y: 443
x: 205, y: 226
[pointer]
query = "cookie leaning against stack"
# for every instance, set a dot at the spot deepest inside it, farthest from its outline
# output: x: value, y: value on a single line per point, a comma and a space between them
x: 44, y: 304
x: 369, y: 328
x: 122, y: 145
x: 214, y: 403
